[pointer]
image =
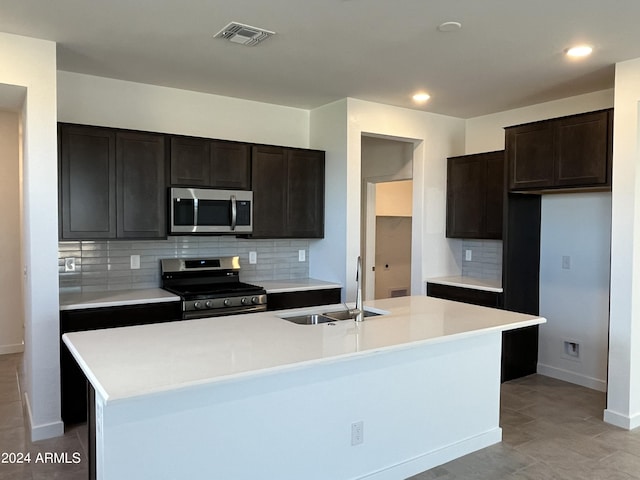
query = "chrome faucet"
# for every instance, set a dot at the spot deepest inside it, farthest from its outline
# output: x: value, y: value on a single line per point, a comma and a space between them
x: 359, y: 310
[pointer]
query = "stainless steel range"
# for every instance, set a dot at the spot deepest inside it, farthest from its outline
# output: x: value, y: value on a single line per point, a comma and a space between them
x: 211, y: 287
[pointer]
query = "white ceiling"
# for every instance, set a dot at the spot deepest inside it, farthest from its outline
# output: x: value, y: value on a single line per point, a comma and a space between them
x: 508, y: 54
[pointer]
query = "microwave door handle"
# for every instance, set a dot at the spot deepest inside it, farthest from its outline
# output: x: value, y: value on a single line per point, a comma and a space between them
x: 234, y: 212
x: 195, y: 212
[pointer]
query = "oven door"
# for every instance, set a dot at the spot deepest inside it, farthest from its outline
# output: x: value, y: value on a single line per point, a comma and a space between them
x: 200, y: 210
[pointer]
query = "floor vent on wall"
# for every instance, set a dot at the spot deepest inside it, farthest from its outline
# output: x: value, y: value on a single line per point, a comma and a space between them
x: 399, y: 292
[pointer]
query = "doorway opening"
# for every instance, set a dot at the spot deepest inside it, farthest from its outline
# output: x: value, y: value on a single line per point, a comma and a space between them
x: 11, y: 278
x: 387, y: 226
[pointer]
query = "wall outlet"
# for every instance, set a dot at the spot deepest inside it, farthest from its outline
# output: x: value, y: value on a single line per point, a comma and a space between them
x: 135, y: 262
x: 302, y: 255
x: 566, y: 262
x: 253, y: 258
x: 69, y: 265
x: 468, y: 255
x: 357, y: 433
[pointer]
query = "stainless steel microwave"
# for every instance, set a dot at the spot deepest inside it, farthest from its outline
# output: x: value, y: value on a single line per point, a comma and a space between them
x: 205, y: 210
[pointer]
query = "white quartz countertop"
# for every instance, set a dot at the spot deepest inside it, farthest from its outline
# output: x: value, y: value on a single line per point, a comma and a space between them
x: 469, y: 282
x: 297, y: 285
x: 128, y: 362
x: 76, y: 301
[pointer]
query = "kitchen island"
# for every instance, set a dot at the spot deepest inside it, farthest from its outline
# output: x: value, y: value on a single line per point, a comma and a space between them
x: 255, y: 395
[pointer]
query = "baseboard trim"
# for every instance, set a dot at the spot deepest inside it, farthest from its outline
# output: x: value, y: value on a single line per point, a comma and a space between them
x: 572, y: 377
x: 7, y: 349
x: 437, y: 457
x: 44, y: 431
x: 622, y: 421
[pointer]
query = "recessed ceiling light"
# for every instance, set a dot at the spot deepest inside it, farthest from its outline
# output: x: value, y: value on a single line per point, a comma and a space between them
x: 421, y: 97
x: 579, y: 51
x: 449, y: 26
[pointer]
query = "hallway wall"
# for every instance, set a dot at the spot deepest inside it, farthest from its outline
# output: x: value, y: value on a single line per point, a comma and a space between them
x: 11, y: 303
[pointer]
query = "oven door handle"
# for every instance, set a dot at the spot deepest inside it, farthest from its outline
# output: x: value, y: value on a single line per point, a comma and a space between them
x: 234, y: 212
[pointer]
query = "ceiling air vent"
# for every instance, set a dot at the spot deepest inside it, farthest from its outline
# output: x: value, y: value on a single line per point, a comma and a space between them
x: 244, y: 34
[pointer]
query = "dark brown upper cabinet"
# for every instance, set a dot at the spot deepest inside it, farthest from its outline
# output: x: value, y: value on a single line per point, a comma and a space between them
x: 475, y: 194
x: 288, y: 192
x: 87, y: 175
x: 140, y: 185
x: 112, y: 183
x: 201, y: 162
x: 560, y: 154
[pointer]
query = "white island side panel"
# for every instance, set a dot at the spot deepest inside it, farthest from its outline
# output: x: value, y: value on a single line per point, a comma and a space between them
x: 420, y: 407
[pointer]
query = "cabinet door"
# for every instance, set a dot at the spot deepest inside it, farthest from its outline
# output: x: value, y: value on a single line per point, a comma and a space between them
x: 269, y: 183
x: 583, y: 150
x: 530, y: 156
x: 495, y: 192
x: 466, y: 197
x: 140, y: 185
x: 87, y: 176
x: 189, y: 159
x: 230, y: 165
x: 305, y: 194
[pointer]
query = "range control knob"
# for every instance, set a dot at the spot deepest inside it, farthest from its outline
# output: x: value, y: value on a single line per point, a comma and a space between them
x: 226, y: 302
x: 255, y: 300
x: 244, y: 300
x: 197, y: 305
x: 208, y: 304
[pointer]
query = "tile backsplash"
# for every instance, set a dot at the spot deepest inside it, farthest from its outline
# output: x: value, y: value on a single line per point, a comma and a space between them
x: 486, y: 259
x: 106, y: 264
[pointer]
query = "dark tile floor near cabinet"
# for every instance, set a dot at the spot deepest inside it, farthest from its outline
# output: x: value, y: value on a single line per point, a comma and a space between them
x: 552, y: 430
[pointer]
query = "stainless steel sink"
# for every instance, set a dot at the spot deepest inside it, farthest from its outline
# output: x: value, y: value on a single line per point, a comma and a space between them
x: 309, y: 319
x: 326, y: 317
x: 347, y: 315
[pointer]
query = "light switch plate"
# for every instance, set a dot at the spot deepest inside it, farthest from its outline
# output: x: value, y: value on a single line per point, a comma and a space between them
x: 135, y: 262
x: 253, y: 258
x: 302, y: 255
x: 468, y: 255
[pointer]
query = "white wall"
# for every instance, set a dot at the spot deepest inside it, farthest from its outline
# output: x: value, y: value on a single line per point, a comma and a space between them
x: 31, y: 64
x: 623, y: 395
x: 435, y: 137
x: 394, y: 199
x: 115, y: 103
x: 575, y: 300
x: 11, y: 298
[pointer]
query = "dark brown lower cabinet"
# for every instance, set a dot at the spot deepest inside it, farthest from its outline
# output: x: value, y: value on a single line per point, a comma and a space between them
x: 519, y: 347
x: 305, y: 298
x: 73, y: 382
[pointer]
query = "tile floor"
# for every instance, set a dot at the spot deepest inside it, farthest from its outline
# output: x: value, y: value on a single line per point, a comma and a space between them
x: 15, y: 439
x: 552, y: 430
